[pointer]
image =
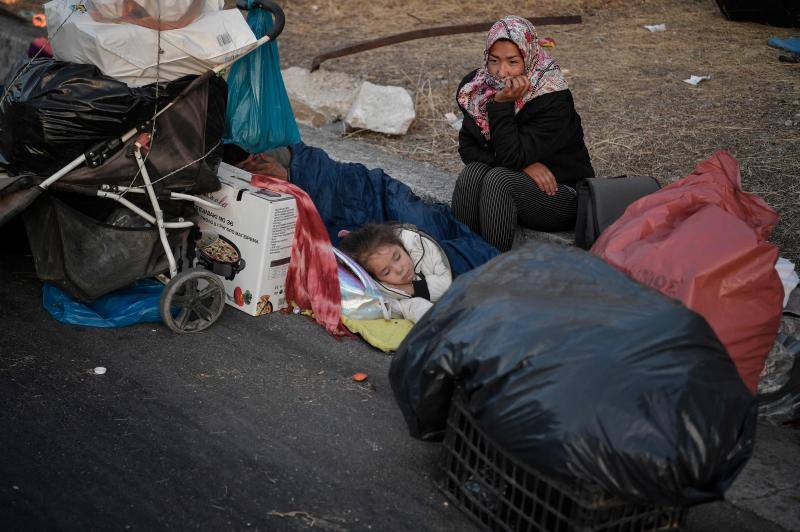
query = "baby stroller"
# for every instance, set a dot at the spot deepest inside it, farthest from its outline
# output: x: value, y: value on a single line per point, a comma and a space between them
x: 154, y: 174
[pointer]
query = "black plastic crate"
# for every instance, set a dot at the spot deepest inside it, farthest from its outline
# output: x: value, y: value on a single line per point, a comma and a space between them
x: 500, y: 493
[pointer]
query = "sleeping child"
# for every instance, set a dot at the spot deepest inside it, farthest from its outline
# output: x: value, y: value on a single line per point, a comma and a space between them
x: 409, y: 265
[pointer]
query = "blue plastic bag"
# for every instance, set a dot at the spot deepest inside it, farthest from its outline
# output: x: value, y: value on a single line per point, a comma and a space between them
x: 790, y: 44
x: 138, y: 303
x: 259, y: 114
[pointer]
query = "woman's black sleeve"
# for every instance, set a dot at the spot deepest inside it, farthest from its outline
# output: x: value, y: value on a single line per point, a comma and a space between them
x: 544, y: 128
x: 470, y: 148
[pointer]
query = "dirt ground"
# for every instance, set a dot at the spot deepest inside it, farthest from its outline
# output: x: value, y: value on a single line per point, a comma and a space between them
x: 639, y: 118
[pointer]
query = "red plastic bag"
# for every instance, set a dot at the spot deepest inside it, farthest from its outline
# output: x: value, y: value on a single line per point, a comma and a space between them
x: 703, y: 240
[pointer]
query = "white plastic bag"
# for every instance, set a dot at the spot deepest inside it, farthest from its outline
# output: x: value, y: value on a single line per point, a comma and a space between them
x: 130, y: 52
x: 789, y: 277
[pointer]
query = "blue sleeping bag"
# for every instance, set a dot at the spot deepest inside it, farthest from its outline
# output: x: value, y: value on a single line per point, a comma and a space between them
x: 348, y: 195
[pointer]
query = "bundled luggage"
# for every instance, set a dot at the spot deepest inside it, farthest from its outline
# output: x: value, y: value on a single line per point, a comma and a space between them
x: 35, y: 137
x: 584, y: 375
x: 705, y: 242
x: 127, y: 40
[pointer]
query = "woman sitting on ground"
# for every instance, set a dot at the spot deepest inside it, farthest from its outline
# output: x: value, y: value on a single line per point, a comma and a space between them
x: 521, y: 140
x: 410, y: 267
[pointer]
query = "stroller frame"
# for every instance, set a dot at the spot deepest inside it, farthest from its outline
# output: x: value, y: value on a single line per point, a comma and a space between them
x: 194, y: 292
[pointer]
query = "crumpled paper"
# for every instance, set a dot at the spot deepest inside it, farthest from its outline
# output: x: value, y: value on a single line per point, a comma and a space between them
x: 655, y: 28
x: 695, y: 80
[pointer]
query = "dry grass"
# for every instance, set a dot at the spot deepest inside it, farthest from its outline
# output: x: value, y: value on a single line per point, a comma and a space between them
x: 638, y: 116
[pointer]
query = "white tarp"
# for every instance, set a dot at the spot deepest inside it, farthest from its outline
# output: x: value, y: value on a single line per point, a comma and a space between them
x: 129, y: 52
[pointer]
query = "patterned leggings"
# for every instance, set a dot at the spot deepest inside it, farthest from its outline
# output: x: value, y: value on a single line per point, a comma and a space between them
x: 492, y: 201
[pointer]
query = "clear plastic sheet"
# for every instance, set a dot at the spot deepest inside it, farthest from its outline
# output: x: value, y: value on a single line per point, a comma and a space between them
x: 154, y: 14
x: 361, y: 296
x: 779, y: 384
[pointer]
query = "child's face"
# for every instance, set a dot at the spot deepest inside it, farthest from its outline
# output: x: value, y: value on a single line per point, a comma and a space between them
x: 391, y: 264
x: 505, y: 61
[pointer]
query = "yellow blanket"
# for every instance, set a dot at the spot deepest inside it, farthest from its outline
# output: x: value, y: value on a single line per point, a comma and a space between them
x: 386, y: 335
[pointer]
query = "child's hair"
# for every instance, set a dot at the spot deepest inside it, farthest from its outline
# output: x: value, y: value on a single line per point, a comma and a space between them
x: 365, y: 240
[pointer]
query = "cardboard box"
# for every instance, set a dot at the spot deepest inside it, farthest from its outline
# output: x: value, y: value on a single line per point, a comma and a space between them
x: 260, y: 225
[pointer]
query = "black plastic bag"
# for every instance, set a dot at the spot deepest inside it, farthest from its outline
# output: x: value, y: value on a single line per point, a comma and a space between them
x: 583, y: 374
x: 56, y: 110
x: 77, y: 250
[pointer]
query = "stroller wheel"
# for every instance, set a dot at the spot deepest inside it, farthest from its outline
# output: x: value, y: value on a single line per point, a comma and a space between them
x: 192, y: 301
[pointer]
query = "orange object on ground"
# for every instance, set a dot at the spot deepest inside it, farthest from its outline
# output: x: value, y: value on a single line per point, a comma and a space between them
x: 39, y: 20
x: 703, y: 241
x: 360, y: 377
x: 547, y: 42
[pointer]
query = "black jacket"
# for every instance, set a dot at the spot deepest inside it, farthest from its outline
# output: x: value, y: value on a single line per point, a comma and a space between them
x: 546, y: 130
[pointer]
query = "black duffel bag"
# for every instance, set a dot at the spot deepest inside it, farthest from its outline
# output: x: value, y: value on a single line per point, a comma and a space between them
x: 602, y: 200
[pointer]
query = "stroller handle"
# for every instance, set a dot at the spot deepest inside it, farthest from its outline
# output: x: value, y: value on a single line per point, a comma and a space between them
x: 272, y: 7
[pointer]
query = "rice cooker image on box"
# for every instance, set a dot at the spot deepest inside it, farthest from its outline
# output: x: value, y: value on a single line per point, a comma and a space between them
x: 219, y: 255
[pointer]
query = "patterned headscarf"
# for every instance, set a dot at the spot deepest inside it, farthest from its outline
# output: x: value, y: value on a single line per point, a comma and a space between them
x: 542, y: 70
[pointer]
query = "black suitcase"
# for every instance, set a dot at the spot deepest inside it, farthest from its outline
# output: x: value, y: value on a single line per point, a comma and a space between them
x: 784, y: 13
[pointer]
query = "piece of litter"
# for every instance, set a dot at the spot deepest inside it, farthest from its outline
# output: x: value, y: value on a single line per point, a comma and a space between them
x: 695, y: 80
x: 296, y: 310
x: 360, y: 377
x: 99, y: 370
x: 655, y: 28
x: 454, y: 121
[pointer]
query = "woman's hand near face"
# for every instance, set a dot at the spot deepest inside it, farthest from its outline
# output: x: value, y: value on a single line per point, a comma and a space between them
x: 514, y: 89
x: 543, y: 178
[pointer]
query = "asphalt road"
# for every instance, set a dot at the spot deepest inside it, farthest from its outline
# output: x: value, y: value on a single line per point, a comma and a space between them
x: 240, y: 426
x: 255, y: 423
